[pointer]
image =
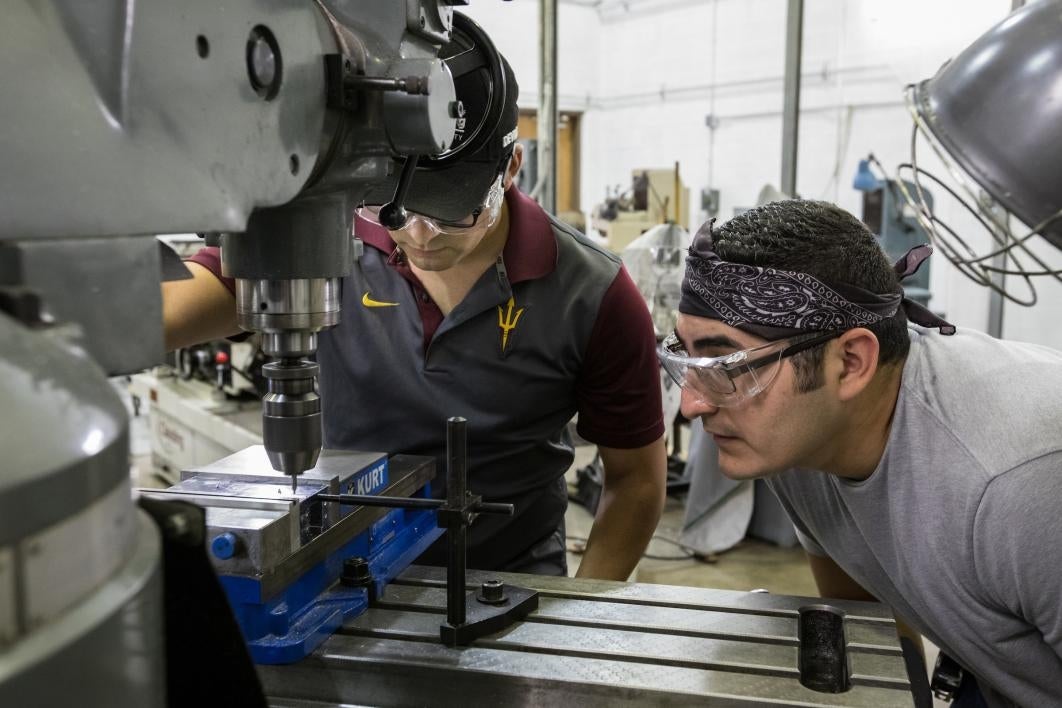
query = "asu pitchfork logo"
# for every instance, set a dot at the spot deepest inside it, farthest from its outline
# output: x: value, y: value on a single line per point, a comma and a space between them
x: 507, y: 320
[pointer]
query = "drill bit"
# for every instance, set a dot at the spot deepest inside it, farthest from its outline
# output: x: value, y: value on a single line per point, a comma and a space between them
x: 294, y: 481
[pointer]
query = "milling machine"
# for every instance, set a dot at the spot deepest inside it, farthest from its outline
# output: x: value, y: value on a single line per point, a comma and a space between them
x: 260, y: 125
x: 257, y: 124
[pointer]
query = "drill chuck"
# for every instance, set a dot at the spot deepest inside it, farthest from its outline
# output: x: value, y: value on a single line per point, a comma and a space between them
x: 291, y: 416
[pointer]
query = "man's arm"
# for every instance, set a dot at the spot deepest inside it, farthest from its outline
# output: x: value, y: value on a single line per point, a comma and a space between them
x: 197, y: 310
x: 1017, y: 538
x: 632, y: 500
x: 832, y: 581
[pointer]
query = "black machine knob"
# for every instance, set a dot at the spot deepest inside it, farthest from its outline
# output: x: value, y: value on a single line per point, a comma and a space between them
x: 492, y: 592
x: 356, y: 573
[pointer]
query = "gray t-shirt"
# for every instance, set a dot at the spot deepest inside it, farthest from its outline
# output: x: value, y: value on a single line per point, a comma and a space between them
x: 959, y: 529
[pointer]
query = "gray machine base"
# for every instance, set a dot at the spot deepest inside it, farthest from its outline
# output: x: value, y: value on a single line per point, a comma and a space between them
x: 590, y: 643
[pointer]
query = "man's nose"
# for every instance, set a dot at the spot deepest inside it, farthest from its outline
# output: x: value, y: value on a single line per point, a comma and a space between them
x: 693, y: 406
x: 419, y: 232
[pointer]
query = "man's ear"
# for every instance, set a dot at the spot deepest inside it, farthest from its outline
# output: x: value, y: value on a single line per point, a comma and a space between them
x: 855, y: 361
x: 514, y: 165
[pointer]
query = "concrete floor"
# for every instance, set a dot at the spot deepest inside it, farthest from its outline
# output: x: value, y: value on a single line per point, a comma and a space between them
x: 751, y: 565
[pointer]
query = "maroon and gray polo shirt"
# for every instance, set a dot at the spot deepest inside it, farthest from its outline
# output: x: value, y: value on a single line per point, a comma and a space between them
x: 557, y: 327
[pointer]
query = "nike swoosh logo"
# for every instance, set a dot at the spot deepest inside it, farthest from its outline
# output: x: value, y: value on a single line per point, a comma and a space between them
x: 369, y: 302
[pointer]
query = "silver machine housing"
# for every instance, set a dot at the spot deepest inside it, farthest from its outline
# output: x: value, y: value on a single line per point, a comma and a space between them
x: 128, y: 119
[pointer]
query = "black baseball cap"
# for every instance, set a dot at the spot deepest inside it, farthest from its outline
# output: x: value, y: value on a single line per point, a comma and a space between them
x: 453, y: 185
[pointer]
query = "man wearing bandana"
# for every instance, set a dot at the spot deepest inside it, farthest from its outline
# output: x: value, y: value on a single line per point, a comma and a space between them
x: 920, y: 463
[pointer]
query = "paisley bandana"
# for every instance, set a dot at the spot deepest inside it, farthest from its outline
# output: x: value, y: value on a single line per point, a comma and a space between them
x: 774, y: 304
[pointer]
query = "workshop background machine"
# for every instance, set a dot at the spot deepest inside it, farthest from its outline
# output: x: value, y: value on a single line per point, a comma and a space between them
x: 204, y: 402
x: 202, y: 405
x: 889, y: 216
x: 654, y: 197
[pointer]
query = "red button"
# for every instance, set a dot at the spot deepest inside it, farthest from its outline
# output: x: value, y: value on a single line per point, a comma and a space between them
x: 222, y: 357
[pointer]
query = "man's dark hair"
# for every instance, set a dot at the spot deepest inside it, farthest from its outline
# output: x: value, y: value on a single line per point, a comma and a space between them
x: 823, y: 240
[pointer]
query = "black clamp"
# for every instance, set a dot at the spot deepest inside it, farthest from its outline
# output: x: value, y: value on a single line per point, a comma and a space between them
x: 471, y: 615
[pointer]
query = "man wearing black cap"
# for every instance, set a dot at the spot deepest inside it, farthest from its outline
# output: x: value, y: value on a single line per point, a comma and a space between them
x: 918, y: 461
x: 481, y: 305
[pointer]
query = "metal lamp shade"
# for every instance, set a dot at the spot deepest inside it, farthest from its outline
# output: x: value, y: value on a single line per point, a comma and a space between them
x: 997, y: 110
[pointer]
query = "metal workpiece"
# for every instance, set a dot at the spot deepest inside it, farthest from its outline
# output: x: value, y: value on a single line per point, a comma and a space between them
x: 597, y: 643
x: 251, y: 506
x: 262, y: 532
x: 251, y: 464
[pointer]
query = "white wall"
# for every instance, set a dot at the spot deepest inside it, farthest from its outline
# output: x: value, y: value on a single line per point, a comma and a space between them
x: 514, y: 28
x: 647, y: 73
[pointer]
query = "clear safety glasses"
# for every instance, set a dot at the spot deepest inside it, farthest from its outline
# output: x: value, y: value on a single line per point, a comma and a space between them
x: 731, y: 379
x: 484, y: 216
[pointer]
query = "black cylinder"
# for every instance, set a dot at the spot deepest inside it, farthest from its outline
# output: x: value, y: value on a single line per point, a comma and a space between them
x: 823, y: 654
x: 456, y: 460
x: 291, y: 416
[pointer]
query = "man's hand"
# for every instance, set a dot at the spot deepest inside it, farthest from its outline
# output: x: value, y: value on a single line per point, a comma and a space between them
x: 197, y: 310
x: 632, y: 499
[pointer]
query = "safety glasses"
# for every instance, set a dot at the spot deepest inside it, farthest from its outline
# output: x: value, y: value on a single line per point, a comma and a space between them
x: 731, y: 379
x: 485, y: 216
